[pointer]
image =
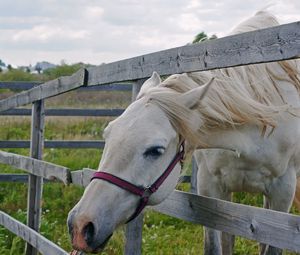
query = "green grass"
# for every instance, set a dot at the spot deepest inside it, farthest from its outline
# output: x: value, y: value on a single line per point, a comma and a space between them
x: 161, y: 234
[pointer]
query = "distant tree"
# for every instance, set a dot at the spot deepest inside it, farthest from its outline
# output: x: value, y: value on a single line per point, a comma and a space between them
x: 1, y: 70
x: 9, y: 67
x: 202, y: 36
x: 38, y: 68
x: 2, y: 63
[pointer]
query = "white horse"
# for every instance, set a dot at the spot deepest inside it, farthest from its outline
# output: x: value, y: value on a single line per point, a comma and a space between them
x: 246, y: 118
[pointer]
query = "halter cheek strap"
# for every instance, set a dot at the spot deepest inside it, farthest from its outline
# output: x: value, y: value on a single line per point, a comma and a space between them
x: 143, y: 192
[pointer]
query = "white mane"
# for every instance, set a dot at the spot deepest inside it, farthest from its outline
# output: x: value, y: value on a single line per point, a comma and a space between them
x: 248, y: 94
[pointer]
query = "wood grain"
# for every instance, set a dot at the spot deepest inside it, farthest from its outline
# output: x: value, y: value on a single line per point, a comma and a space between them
x: 35, y: 183
x: 37, y: 167
x: 271, y: 44
x: 38, y: 241
x: 55, y: 144
x: 278, y: 229
x: 45, y: 90
x: 66, y: 112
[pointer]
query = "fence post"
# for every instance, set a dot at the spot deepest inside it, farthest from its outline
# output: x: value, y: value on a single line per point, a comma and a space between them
x: 35, y: 183
x: 194, y: 176
x: 134, y: 229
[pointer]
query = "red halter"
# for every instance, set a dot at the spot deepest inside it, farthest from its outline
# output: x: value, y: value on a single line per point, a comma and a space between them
x: 143, y: 192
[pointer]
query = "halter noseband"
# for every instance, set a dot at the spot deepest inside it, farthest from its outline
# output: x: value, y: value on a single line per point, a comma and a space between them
x: 143, y: 192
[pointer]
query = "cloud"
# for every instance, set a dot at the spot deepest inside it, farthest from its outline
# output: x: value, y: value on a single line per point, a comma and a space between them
x: 104, y: 31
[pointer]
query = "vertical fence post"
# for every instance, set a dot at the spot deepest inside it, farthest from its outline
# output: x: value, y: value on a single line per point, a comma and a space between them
x: 134, y: 229
x: 194, y: 176
x: 35, y: 183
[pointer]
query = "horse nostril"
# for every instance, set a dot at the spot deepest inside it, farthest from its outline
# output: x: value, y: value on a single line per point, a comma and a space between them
x: 88, y: 232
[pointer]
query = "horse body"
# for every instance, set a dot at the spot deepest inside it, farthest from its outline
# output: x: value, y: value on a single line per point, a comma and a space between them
x: 243, y: 122
x: 254, y: 162
x: 267, y: 165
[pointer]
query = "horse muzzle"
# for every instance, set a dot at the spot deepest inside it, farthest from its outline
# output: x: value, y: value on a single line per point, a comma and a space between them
x: 85, y: 235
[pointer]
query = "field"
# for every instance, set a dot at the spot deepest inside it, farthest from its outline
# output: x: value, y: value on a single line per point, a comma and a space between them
x: 161, y: 234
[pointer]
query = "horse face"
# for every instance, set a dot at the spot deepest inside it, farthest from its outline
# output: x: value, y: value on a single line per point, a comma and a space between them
x: 139, y: 146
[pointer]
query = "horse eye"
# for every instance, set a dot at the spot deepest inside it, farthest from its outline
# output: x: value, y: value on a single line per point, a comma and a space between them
x: 154, y: 152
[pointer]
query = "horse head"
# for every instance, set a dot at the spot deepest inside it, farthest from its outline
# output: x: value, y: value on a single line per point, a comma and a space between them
x: 142, y: 150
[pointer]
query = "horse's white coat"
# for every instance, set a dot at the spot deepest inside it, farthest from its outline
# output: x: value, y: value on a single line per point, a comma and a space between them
x: 233, y: 117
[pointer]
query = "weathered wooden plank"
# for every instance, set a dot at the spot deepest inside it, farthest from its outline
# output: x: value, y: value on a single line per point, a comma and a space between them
x: 278, y: 229
x: 28, y: 85
x: 75, y: 144
x: 271, y: 44
x: 136, y: 87
x: 108, y: 87
x: 18, y: 85
x: 45, y: 90
x: 82, y: 177
x: 194, y: 176
x: 66, y: 112
x: 14, y: 144
x: 35, y: 183
x: 37, y: 167
x: 55, y: 144
x: 22, y: 178
x: 42, y: 244
x: 133, y: 235
x: 184, y: 179
x: 16, y: 112
x: 18, y: 178
x: 85, y: 112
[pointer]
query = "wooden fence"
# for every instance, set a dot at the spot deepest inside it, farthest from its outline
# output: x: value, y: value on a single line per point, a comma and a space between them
x: 275, y: 228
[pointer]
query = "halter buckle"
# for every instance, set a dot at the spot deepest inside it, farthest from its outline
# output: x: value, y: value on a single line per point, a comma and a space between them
x: 147, y: 192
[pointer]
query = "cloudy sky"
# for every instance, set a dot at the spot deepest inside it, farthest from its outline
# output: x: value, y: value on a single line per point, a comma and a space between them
x: 97, y: 31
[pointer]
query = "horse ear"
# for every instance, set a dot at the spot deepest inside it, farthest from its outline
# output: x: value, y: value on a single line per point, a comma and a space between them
x: 191, y: 98
x: 152, y: 82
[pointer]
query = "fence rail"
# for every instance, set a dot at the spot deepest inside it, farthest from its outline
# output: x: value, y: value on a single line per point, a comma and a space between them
x: 266, y: 45
x: 279, y: 229
x: 66, y: 112
x: 22, y: 178
x: 41, y: 243
x: 17, y: 85
x: 55, y: 144
x: 36, y: 167
x: 270, y: 44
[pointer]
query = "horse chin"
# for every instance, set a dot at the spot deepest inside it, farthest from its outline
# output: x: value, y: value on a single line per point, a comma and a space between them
x: 101, y: 247
x: 95, y: 250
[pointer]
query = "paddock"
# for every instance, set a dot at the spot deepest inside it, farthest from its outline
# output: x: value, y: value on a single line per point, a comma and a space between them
x: 266, y: 226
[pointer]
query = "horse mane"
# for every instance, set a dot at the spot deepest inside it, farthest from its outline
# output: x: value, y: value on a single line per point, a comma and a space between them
x: 240, y: 95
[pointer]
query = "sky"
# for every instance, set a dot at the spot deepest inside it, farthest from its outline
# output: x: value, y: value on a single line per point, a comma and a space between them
x: 99, y: 31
